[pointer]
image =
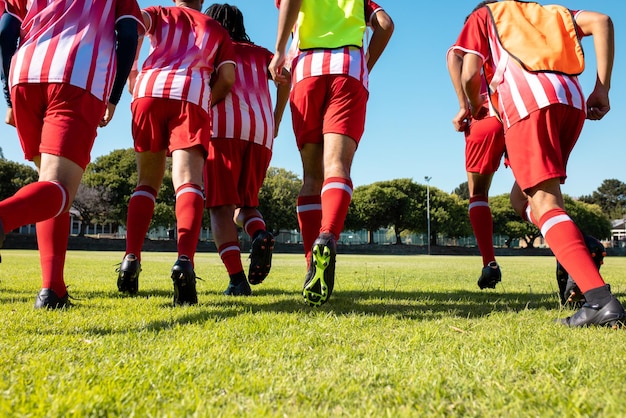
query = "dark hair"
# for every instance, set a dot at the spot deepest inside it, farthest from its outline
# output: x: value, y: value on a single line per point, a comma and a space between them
x: 481, y: 5
x: 231, y: 18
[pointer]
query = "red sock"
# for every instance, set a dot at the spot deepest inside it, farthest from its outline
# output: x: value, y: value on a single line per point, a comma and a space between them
x: 140, y: 211
x: 33, y: 203
x: 253, y: 225
x: 309, y: 209
x: 230, y: 253
x: 336, y: 196
x: 482, y: 224
x: 189, y: 207
x: 568, y: 246
x: 52, y: 238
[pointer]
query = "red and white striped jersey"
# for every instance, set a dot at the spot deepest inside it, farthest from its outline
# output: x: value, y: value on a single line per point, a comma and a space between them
x: 247, y: 112
x: 520, y: 92
x: 69, y: 41
x: 345, y: 60
x: 186, y: 46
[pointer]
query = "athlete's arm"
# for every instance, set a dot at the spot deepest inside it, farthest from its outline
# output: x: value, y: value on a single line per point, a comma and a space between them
x: 282, y: 97
x: 455, y: 66
x: 126, y: 37
x: 223, y: 83
x: 127, y: 41
x: 287, y: 17
x: 471, y: 81
x: 600, y: 26
x: 9, y: 35
x: 382, y: 26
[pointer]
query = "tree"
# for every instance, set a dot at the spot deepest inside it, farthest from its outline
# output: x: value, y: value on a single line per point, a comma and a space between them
x: 402, y: 204
x: 448, y: 215
x: 611, y: 197
x: 93, y: 204
x: 462, y: 191
x: 507, y: 222
x: 380, y: 205
x: 277, y: 199
x: 404, y: 207
x: 14, y: 176
x: 116, y: 172
x: 590, y: 218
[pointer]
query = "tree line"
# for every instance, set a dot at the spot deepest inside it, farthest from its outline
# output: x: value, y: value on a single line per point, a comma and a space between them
x: 400, y: 204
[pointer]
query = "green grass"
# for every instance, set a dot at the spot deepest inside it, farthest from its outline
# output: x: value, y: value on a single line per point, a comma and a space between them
x: 401, y: 336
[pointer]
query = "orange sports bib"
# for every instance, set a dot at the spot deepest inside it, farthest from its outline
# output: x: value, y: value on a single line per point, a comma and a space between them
x: 539, y: 38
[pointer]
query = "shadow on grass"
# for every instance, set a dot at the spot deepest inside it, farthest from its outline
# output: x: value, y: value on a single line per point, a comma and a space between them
x: 419, y: 305
x: 409, y: 305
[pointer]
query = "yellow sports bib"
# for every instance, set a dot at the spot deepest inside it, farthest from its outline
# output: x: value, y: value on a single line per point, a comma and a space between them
x: 331, y: 23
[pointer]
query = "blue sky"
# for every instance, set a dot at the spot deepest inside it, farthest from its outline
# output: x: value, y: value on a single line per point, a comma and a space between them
x: 408, y: 131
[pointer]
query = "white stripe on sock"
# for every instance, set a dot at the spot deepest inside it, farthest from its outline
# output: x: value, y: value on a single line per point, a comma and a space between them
x: 308, y: 208
x: 337, y: 185
x: 552, y: 222
x: 253, y: 219
x: 479, y: 203
x: 230, y: 248
x: 189, y: 190
x: 64, y: 197
x: 143, y: 193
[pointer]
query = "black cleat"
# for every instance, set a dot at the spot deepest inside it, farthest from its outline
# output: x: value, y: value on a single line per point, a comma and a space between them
x: 320, y: 279
x: 490, y: 276
x: 240, y: 289
x: 260, y: 257
x: 610, y: 315
x: 184, y: 278
x: 128, y: 274
x: 569, y: 292
x: 47, y: 299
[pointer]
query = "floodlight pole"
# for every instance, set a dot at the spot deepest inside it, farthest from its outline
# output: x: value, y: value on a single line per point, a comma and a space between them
x: 427, y: 178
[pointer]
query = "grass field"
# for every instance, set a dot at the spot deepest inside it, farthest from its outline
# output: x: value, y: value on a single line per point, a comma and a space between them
x: 401, y: 336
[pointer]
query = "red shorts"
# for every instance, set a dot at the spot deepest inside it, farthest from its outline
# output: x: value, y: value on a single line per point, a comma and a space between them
x: 234, y: 172
x: 328, y: 104
x: 484, y: 145
x: 167, y: 124
x: 57, y: 119
x: 539, y: 145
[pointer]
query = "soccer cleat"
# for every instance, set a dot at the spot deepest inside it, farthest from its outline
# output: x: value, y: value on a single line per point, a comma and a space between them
x: 573, y: 293
x: 569, y: 292
x: 47, y: 299
x: 240, y: 289
x: 128, y: 274
x: 490, y: 276
x: 184, y: 279
x: 260, y: 257
x: 320, y: 279
x: 610, y: 315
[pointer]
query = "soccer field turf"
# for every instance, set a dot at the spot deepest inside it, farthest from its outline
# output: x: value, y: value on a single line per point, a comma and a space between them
x: 400, y: 336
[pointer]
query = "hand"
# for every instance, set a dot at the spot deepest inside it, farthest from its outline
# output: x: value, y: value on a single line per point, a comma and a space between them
x: 460, y: 120
x: 108, y: 115
x: 9, y: 119
x: 276, y: 67
x: 598, y: 104
x: 276, y: 125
